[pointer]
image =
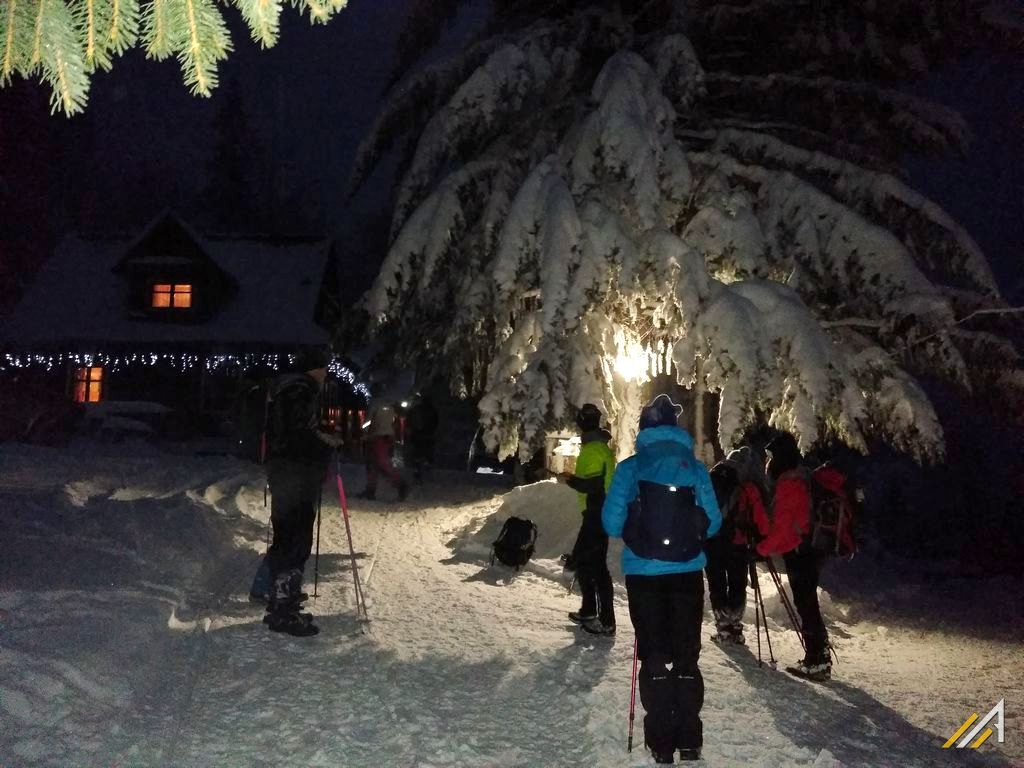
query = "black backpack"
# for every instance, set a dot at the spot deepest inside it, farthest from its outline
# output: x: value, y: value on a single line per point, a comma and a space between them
x: 665, y: 523
x: 514, y: 545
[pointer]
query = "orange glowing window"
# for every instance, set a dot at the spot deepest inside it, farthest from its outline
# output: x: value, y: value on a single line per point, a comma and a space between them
x: 177, y: 295
x: 89, y: 384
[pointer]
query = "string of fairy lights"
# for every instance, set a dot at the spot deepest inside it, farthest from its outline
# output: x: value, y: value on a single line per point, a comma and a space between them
x: 184, y: 362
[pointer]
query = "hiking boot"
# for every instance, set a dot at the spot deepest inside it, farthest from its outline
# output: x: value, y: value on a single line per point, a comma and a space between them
x: 367, y: 494
x: 579, y: 617
x: 597, y: 627
x: 813, y: 669
x: 295, y: 624
x: 687, y: 755
x: 666, y: 758
x: 259, y: 597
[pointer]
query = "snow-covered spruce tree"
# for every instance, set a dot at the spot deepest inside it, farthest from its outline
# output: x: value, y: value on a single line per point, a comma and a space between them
x: 65, y: 41
x: 592, y: 195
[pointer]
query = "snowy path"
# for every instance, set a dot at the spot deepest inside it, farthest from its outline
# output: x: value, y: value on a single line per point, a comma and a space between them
x: 127, y: 639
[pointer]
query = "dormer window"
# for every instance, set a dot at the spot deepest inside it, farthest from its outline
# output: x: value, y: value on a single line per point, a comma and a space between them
x: 172, y: 296
x: 89, y: 384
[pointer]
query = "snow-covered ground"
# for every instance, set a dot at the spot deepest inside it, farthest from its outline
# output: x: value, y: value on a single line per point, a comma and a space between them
x: 127, y: 638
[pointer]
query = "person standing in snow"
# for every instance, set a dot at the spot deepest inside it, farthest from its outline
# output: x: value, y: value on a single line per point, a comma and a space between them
x: 297, y: 462
x: 738, y: 482
x: 594, y: 467
x: 422, y: 425
x: 662, y: 504
x: 789, y: 536
x: 379, y: 444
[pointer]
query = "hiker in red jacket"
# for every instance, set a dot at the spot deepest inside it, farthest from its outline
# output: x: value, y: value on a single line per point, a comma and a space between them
x: 788, y: 536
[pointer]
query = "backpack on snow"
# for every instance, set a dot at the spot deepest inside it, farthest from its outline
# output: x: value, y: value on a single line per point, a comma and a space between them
x: 833, y: 517
x: 514, y: 545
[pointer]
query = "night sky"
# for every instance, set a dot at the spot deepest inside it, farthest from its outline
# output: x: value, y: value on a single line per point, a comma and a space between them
x: 144, y: 144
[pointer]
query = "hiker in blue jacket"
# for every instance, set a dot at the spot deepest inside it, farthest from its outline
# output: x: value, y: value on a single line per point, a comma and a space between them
x: 662, y: 504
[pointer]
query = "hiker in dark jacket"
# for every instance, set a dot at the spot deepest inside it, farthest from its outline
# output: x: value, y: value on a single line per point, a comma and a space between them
x: 594, y: 467
x: 738, y: 482
x: 789, y: 536
x: 297, y: 463
x: 662, y: 504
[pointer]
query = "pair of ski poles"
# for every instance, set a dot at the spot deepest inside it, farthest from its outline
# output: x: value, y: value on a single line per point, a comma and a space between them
x: 761, y: 616
x: 343, y: 501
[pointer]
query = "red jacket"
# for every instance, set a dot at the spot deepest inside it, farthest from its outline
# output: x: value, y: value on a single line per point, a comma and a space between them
x: 791, y: 514
x: 750, y: 511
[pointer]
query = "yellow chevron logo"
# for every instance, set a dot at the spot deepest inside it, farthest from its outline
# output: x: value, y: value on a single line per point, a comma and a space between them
x: 979, y: 733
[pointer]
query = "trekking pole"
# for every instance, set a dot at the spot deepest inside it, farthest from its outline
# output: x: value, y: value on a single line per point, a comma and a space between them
x: 572, y: 583
x: 632, y: 699
x: 357, y: 585
x: 764, y: 620
x: 794, y: 619
x: 757, y: 609
x: 266, y: 487
x: 316, y: 560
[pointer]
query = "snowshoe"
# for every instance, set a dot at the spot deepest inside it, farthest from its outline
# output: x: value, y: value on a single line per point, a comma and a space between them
x: 579, y: 617
x: 596, y: 627
x: 728, y: 637
x: 818, y: 672
x: 663, y: 758
x: 688, y: 755
x: 295, y: 624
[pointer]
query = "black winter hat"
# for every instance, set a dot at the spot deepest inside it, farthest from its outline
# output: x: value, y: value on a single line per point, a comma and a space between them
x: 589, y: 417
x: 660, y: 412
x: 785, y: 453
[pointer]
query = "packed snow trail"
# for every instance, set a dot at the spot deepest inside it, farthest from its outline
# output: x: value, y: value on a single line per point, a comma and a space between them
x: 128, y: 639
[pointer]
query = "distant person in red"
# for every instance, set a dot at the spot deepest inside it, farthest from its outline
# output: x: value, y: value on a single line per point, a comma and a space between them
x: 738, y: 480
x: 379, y: 445
x: 789, y: 536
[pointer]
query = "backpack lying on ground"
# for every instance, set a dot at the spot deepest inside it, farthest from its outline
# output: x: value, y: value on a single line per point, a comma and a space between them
x: 514, y: 545
x: 833, y: 513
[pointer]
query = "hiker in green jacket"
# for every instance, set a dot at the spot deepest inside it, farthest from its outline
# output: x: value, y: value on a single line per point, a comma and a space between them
x: 594, y: 468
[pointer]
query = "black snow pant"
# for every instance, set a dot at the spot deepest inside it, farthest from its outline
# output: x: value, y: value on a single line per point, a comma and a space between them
x: 666, y: 612
x: 295, y: 492
x: 727, y: 571
x: 803, y: 566
x: 591, y: 555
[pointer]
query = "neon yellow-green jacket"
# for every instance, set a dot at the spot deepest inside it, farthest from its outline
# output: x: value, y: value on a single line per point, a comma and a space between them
x: 594, y: 468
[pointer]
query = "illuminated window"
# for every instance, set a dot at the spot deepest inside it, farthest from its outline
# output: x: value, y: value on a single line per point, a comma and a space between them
x: 89, y: 384
x: 177, y: 295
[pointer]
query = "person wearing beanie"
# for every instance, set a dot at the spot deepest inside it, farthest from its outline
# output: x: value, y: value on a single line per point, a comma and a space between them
x: 662, y: 504
x: 297, y: 451
x: 789, y: 536
x: 594, y: 467
x: 738, y: 480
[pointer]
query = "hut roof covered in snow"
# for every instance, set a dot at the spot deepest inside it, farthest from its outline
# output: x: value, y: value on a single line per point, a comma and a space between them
x: 258, y: 291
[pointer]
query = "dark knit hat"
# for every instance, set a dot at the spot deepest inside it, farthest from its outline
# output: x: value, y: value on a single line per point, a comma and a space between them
x: 589, y: 417
x: 785, y: 453
x: 660, y: 412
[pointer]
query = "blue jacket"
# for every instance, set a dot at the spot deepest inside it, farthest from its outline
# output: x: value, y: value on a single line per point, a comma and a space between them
x: 663, y: 455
